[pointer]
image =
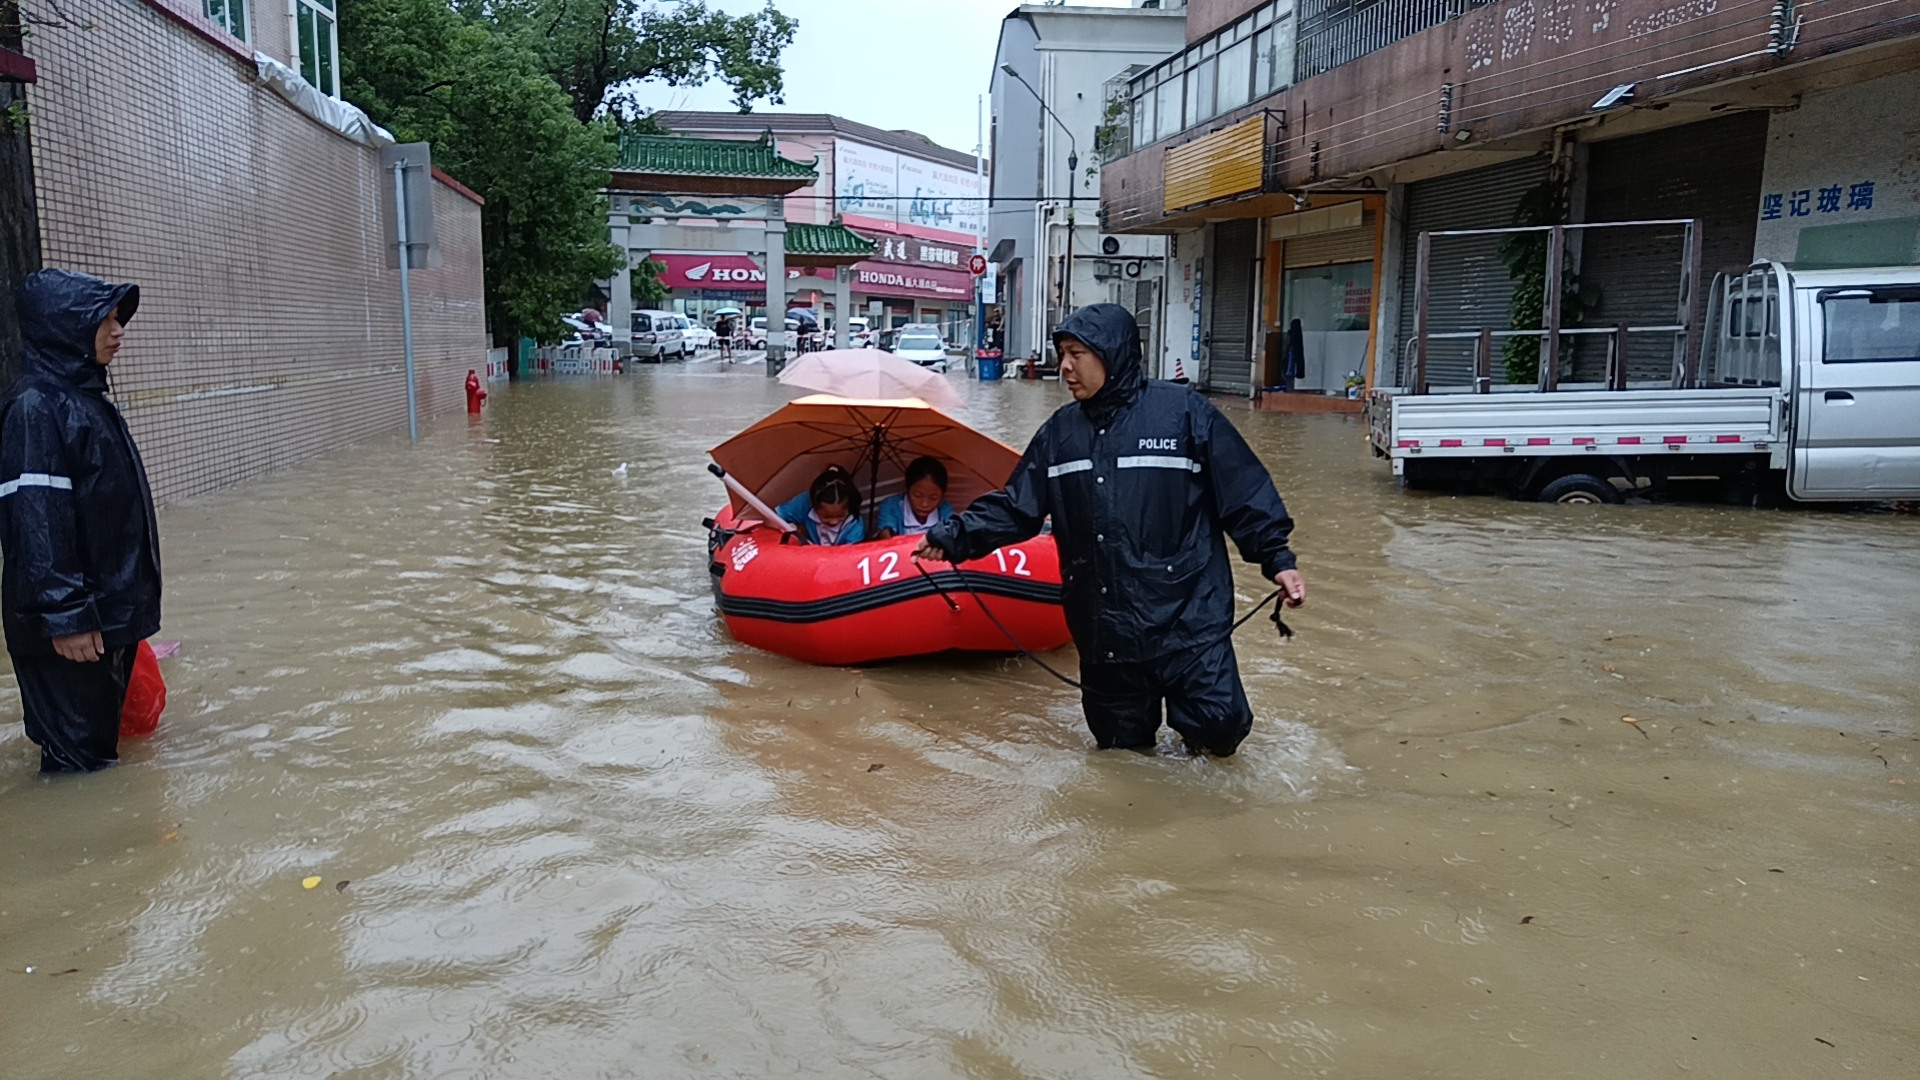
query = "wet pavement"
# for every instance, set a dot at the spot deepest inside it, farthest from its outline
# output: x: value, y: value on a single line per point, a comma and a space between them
x: 566, y: 828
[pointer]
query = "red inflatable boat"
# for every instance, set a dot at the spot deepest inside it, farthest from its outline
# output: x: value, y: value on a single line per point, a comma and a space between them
x: 867, y: 602
x: 858, y: 603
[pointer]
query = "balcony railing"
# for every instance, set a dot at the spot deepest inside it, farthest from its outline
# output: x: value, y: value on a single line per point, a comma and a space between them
x: 1335, y: 32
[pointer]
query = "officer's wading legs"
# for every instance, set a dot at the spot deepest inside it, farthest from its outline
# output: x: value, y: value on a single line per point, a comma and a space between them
x: 73, y: 710
x: 1204, y: 701
x: 1122, y: 710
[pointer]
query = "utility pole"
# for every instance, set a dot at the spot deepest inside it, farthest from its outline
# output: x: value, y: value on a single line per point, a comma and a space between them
x: 411, y: 245
x: 1073, y: 166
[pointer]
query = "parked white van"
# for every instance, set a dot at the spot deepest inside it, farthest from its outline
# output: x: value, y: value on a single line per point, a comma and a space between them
x: 660, y: 336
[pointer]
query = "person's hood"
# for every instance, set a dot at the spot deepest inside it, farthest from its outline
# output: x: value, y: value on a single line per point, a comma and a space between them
x: 60, y: 311
x: 1114, y: 336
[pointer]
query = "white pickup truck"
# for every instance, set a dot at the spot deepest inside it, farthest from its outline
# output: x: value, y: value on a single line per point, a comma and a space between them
x: 1808, y: 380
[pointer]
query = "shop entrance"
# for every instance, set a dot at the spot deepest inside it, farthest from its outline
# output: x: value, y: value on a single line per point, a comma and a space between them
x: 1334, y: 307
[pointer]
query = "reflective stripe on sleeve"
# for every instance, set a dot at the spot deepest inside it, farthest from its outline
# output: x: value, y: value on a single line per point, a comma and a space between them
x: 1065, y: 467
x: 1158, y: 461
x: 35, y: 479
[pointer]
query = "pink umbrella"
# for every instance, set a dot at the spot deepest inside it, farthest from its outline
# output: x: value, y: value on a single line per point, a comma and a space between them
x: 870, y: 375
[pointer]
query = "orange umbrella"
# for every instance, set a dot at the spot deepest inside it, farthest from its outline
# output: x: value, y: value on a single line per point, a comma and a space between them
x: 780, y: 456
x: 870, y: 375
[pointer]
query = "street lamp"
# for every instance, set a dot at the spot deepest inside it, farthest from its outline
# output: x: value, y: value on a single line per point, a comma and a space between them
x: 1073, y: 167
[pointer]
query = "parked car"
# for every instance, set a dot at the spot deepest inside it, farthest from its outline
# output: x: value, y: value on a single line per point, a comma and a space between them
x: 757, y: 333
x: 659, y: 336
x: 859, y: 334
x: 699, y: 335
x: 582, y: 332
x: 921, y: 343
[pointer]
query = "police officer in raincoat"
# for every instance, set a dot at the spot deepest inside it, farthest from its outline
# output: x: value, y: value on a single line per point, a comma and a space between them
x: 80, y: 587
x: 1143, y: 480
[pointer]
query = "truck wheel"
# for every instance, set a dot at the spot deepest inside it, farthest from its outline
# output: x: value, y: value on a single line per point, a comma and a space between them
x: 1580, y: 489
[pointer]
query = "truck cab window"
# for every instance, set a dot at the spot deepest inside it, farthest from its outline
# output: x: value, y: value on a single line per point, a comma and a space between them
x: 1871, y: 325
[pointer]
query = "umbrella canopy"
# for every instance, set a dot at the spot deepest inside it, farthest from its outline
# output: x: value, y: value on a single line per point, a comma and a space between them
x: 716, y: 311
x: 870, y: 374
x: 780, y: 456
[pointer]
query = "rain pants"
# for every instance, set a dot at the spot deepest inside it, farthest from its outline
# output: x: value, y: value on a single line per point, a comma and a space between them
x: 1143, y: 482
x: 81, y: 546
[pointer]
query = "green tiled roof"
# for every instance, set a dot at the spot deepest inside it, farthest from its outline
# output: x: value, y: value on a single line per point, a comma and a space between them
x: 676, y: 155
x: 826, y: 240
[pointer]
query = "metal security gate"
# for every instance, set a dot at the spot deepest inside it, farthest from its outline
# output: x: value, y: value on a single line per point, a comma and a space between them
x: 1229, y: 367
x: 1353, y: 245
x: 1479, y: 291
x: 1709, y: 170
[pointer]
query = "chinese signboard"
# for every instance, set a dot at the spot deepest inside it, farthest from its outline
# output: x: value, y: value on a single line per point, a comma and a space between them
x: 880, y: 184
x: 917, y: 252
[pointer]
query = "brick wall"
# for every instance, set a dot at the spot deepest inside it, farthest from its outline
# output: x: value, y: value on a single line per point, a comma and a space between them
x: 269, y: 324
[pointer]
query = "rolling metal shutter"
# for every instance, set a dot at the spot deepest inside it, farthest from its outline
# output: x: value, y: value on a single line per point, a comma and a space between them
x: 1230, y: 327
x: 1333, y: 248
x: 1708, y: 170
x: 1470, y: 287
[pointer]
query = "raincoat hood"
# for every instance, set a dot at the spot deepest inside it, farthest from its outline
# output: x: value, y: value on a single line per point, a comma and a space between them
x: 60, y: 311
x: 1113, y: 335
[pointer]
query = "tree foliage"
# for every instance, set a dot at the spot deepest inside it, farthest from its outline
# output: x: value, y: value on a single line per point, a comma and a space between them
x: 599, y: 51
x: 502, y: 90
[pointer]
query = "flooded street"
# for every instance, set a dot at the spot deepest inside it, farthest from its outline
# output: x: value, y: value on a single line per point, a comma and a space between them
x: 567, y: 828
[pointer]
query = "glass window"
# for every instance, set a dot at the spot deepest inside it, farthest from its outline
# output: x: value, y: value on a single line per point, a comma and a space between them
x: 1200, y: 93
x: 1331, y: 298
x: 1872, y: 325
x: 1236, y: 76
x: 1142, y: 107
x: 229, y: 15
x: 319, y: 44
x: 1263, y: 63
x: 1167, y: 110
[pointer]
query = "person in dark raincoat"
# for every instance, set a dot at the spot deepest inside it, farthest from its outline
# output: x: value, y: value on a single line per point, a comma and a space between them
x: 80, y: 587
x: 1143, y: 479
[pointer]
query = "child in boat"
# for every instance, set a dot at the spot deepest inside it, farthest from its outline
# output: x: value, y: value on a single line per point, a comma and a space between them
x: 924, y: 504
x: 829, y: 511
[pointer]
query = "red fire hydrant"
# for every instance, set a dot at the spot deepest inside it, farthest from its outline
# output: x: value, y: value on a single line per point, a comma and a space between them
x: 475, y: 395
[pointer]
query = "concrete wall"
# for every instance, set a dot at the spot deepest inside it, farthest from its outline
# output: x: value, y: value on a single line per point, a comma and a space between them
x: 1516, y: 70
x: 269, y: 324
x: 1859, y: 147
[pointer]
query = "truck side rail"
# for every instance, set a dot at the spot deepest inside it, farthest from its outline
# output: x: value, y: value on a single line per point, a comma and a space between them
x: 1689, y: 310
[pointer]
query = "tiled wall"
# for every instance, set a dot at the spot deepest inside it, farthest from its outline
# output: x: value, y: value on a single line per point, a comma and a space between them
x: 269, y: 324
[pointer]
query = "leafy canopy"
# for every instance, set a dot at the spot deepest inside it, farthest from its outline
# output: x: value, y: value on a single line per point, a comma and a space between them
x: 501, y: 95
x: 599, y: 51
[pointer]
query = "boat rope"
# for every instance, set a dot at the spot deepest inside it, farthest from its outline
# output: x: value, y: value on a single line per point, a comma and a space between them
x: 1285, y: 630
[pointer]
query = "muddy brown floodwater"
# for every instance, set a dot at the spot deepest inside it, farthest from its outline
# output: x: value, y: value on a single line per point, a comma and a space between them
x: 566, y: 828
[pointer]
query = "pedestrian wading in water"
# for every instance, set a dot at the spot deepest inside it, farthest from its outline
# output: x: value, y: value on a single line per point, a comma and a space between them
x: 80, y: 587
x: 1144, y: 480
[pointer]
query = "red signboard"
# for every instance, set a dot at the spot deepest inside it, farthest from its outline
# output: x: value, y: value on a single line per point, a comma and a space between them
x: 725, y: 273
x: 920, y: 283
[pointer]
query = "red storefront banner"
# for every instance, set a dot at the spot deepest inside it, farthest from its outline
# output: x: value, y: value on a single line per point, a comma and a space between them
x: 918, y: 282
x: 721, y: 273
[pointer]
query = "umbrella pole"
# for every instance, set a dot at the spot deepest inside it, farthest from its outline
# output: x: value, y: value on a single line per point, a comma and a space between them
x: 873, y: 481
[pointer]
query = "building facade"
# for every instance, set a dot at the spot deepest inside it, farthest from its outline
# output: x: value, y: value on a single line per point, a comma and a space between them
x: 921, y: 205
x: 1296, y: 151
x: 269, y: 323
x: 1057, y: 72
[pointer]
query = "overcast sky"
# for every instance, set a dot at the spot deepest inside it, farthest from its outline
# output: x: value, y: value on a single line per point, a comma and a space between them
x: 916, y: 64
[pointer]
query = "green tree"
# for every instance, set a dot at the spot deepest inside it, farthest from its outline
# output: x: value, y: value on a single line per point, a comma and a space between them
x: 501, y: 125
x: 498, y: 95
x: 599, y: 51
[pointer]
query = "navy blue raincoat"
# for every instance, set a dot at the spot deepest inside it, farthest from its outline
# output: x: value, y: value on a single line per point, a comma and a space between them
x: 1142, y: 480
x: 81, y: 546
